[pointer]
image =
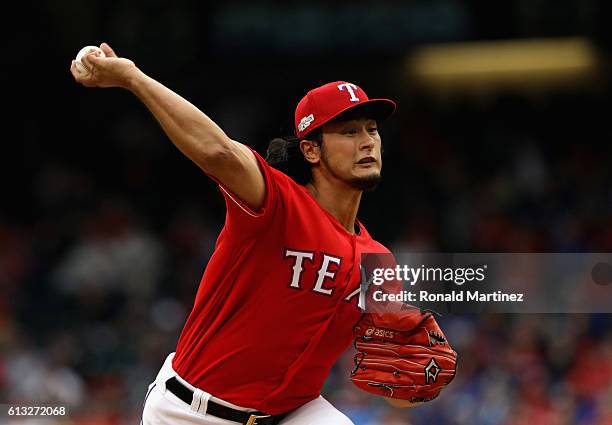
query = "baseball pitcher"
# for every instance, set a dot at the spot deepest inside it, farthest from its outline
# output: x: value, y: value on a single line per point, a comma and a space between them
x: 278, y: 301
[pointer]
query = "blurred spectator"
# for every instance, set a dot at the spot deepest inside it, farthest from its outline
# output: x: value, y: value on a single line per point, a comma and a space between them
x: 105, y: 229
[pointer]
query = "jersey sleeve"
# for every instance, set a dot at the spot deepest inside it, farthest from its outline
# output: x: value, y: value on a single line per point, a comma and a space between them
x: 242, y: 220
x: 381, y: 259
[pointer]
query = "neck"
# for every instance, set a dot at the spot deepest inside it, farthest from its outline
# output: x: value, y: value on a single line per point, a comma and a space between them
x: 341, y: 201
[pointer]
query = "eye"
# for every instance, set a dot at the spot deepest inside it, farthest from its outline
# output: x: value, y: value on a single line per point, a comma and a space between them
x: 350, y: 131
x: 373, y: 130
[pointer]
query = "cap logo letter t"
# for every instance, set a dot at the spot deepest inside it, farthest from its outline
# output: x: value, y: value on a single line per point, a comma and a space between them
x: 349, y: 87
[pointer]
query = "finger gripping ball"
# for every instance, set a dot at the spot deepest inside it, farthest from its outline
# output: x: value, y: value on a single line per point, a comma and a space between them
x: 81, y: 68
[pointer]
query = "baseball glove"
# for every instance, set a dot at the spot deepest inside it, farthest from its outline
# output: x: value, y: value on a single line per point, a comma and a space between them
x: 402, y: 355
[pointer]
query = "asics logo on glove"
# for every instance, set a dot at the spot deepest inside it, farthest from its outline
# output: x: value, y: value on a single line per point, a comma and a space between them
x: 379, y: 333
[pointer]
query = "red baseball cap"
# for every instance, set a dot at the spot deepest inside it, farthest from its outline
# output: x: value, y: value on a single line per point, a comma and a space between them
x: 324, y: 103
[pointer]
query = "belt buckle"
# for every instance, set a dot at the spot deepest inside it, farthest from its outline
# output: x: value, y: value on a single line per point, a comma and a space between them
x: 253, y: 419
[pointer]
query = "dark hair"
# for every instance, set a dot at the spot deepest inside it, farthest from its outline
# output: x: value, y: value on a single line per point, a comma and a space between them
x: 285, y: 155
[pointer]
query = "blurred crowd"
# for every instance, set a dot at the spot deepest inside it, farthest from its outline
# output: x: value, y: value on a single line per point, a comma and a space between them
x: 99, y: 273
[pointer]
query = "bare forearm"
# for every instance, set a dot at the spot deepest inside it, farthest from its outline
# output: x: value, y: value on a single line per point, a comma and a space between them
x: 194, y: 133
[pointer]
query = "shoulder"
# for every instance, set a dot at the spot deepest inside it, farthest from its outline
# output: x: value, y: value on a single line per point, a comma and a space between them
x: 379, y: 248
x: 287, y: 188
x: 372, y: 244
x: 274, y: 174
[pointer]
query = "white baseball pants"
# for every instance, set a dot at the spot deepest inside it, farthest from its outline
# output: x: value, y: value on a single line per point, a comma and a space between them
x: 161, y: 407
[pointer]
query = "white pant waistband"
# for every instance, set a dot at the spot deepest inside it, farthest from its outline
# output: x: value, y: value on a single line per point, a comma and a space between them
x: 200, y: 397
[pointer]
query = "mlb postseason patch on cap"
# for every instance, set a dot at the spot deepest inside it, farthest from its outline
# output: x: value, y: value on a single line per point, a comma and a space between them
x: 305, y: 122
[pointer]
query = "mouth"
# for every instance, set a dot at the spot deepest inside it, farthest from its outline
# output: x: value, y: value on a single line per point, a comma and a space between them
x: 367, y: 160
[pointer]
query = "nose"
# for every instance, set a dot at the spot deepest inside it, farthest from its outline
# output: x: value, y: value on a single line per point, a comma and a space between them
x: 366, y: 141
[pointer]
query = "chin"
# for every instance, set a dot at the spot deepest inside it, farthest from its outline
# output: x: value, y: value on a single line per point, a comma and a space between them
x: 367, y: 182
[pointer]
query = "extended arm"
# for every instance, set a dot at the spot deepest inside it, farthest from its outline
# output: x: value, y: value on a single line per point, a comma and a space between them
x: 194, y: 133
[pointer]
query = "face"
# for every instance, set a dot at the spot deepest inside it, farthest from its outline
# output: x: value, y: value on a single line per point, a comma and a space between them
x: 351, y: 152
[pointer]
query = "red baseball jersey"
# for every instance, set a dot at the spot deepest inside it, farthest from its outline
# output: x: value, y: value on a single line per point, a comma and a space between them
x: 277, y: 303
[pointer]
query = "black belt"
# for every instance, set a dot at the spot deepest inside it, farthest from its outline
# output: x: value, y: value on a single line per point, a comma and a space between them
x: 220, y: 411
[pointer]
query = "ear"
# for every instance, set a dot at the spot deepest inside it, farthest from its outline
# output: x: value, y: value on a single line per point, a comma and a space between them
x: 311, y: 150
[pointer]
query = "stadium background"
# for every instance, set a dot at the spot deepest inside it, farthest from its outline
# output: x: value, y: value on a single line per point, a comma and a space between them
x: 105, y: 227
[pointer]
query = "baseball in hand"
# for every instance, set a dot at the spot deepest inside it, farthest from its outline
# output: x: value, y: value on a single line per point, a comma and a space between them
x: 82, y: 69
